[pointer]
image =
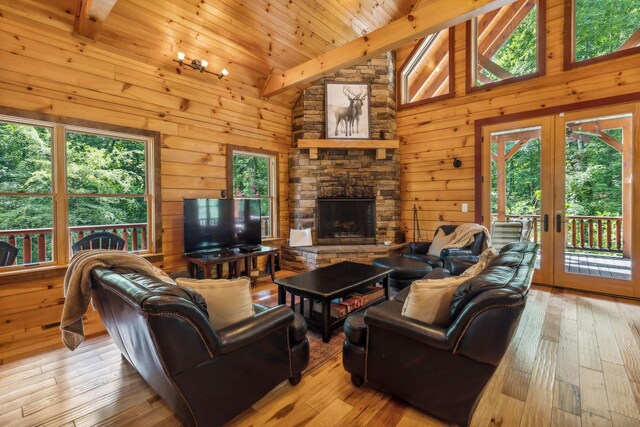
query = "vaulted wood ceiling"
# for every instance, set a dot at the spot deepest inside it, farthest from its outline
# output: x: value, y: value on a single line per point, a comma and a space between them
x: 251, y: 38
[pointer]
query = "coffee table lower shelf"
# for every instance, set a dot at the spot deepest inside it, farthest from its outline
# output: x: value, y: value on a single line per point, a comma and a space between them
x: 314, y: 318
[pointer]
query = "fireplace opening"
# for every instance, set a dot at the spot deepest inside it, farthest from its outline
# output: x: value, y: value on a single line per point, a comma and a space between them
x: 346, y: 221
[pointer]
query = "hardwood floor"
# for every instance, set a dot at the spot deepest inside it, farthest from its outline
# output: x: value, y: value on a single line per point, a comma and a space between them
x: 574, y: 361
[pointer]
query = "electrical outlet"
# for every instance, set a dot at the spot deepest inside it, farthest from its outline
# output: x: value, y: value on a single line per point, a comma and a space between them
x: 465, y: 207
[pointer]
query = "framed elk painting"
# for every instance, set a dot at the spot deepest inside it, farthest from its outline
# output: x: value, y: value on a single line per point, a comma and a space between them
x: 347, y: 110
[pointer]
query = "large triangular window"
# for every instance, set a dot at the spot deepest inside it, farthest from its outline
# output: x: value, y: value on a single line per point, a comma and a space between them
x: 427, y: 73
x: 507, y: 43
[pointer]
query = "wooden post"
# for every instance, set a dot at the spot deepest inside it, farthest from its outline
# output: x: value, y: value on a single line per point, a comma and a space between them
x: 42, y: 248
x: 134, y: 239
x: 144, y: 237
x: 26, y: 249
x: 609, y: 242
x: 502, y: 181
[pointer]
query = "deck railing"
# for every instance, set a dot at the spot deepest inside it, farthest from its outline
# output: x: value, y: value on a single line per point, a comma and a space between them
x: 35, y: 244
x: 589, y: 233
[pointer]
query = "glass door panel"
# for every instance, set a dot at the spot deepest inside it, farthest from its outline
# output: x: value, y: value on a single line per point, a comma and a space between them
x: 518, y: 184
x: 593, y: 207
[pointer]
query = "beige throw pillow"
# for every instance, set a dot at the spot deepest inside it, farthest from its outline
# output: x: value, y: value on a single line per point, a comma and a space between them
x: 429, y: 300
x: 439, y: 241
x: 228, y: 301
x: 485, y: 258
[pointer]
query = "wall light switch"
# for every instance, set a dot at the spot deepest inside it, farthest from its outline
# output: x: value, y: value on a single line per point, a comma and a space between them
x: 465, y: 207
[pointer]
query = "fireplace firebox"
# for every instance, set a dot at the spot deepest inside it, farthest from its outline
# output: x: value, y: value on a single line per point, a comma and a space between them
x: 346, y: 221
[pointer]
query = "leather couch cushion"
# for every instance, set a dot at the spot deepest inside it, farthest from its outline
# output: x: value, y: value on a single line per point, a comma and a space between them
x: 150, y: 286
x: 438, y: 243
x: 429, y: 300
x: 355, y: 329
x: 485, y: 258
x: 403, y: 267
x: 228, y: 301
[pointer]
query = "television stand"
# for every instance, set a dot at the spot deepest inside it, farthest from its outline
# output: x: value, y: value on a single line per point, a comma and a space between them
x: 235, y: 261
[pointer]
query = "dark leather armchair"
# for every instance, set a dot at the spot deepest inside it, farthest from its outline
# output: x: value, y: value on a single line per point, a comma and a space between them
x: 206, y: 376
x: 419, y: 250
x: 443, y: 370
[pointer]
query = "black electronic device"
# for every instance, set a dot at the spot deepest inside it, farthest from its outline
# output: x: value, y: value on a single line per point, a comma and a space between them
x: 221, y: 225
x: 247, y: 249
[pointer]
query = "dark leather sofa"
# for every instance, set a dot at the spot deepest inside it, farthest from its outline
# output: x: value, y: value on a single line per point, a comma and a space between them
x: 443, y: 370
x: 419, y: 250
x: 206, y: 376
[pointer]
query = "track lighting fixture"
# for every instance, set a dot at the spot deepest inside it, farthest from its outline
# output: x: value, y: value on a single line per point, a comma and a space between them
x: 199, y: 65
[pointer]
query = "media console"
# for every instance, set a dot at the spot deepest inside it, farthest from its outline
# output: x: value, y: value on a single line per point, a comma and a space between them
x: 235, y: 261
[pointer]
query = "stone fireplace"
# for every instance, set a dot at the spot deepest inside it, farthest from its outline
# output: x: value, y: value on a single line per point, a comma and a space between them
x: 346, y: 221
x: 349, y: 197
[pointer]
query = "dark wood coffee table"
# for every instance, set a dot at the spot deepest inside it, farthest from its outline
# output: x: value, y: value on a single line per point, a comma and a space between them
x: 327, y: 283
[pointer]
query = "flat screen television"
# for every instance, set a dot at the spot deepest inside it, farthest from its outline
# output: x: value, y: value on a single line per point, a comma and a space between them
x: 219, y: 225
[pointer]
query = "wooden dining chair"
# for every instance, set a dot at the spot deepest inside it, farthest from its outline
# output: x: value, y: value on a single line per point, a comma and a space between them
x: 8, y: 253
x: 101, y: 240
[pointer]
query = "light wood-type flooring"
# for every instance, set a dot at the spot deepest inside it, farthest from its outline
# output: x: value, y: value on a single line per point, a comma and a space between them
x: 574, y: 360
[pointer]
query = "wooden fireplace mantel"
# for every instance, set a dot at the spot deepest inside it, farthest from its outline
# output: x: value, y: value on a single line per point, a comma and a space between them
x: 380, y: 145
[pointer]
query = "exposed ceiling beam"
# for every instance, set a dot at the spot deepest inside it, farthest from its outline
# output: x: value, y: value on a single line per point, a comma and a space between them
x: 430, y: 17
x: 90, y: 14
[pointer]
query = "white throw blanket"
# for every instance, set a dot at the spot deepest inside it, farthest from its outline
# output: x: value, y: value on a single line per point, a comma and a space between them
x: 464, y: 234
x: 77, y: 286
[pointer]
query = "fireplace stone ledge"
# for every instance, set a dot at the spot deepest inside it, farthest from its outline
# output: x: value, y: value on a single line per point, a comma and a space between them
x: 306, y: 258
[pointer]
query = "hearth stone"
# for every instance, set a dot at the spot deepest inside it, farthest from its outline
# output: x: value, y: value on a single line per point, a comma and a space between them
x: 311, y: 257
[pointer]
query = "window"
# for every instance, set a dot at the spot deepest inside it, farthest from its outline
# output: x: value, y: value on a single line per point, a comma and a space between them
x: 507, y: 44
x: 26, y: 190
x: 59, y: 183
x: 253, y: 175
x: 427, y: 73
x: 600, y: 29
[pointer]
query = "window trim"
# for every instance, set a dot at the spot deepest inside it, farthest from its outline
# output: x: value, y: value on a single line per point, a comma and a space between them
x: 407, y: 62
x: 541, y: 46
x: 60, y: 125
x: 569, y: 38
x: 273, y: 186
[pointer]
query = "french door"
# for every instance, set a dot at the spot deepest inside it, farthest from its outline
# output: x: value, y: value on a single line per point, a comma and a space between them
x: 570, y: 175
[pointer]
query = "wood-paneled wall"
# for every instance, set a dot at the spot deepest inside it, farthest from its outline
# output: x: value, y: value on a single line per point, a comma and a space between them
x: 43, y: 68
x: 432, y: 135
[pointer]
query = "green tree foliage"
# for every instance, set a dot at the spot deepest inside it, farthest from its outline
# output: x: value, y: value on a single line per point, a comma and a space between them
x: 518, y: 55
x: 251, y: 179
x: 95, y: 165
x: 602, y: 26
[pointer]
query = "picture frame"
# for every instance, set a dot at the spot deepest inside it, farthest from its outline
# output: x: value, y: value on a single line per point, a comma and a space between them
x: 347, y: 110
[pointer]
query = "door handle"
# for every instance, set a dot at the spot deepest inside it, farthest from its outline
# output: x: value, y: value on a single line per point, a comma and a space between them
x: 558, y: 223
x: 546, y: 222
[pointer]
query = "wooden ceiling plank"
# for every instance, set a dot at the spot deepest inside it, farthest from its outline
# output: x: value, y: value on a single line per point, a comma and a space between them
x: 213, y: 32
x: 254, y: 18
x: 167, y: 38
x: 430, y: 18
x: 90, y: 15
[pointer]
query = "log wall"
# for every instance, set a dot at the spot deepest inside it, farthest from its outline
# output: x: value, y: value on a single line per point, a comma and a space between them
x: 432, y: 135
x: 44, y: 69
